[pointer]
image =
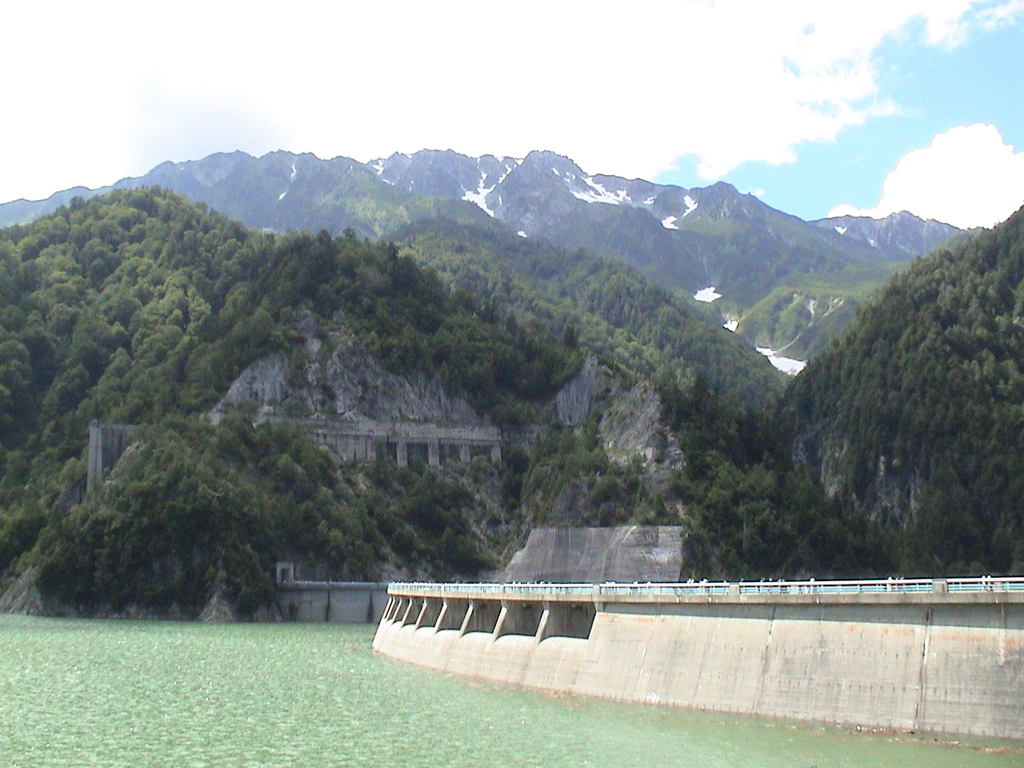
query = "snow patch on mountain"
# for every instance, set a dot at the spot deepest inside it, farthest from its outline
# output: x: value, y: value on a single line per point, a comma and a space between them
x: 521, y: 233
x: 841, y: 230
x: 598, y: 194
x: 731, y: 325
x: 669, y: 223
x: 480, y: 196
x: 649, y: 200
x: 691, y: 205
x: 784, y: 364
x: 291, y: 178
x: 707, y: 295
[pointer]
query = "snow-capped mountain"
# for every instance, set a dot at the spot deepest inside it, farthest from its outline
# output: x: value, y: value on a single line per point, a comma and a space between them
x: 712, y: 244
x: 687, y: 239
x: 900, y: 236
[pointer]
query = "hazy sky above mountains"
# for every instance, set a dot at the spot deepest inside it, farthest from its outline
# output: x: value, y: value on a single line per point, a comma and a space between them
x: 884, y: 105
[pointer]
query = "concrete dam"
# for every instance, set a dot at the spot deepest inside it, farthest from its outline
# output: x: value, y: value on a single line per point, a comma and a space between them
x: 939, y: 656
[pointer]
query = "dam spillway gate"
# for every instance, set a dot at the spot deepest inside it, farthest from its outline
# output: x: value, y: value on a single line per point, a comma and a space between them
x: 496, y: 613
x: 941, y: 656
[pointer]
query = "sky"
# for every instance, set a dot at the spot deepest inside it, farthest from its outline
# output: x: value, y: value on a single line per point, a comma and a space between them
x: 816, y: 107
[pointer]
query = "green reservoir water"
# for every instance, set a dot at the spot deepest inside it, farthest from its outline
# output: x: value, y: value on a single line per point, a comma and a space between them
x: 118, y: 693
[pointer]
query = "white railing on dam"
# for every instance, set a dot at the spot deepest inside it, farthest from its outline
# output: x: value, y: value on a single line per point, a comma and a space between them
x: 986, y: 584
x: 539, y: 591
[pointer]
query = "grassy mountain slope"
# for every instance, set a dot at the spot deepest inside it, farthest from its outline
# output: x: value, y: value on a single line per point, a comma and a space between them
x: 915, y: 416
x: 800, y: 317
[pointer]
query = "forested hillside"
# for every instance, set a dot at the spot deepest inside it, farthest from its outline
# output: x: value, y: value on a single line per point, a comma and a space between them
x: 140, y: 307
x: 915, y: 418
x: 605, y: 306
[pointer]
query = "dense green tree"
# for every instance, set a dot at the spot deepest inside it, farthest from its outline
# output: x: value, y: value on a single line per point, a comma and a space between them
x: 914, y: 418
x: 749, y: 511
x: 140, y: 307
x: 603, y: 306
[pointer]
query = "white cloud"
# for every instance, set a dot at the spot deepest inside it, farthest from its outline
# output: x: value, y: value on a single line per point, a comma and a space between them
x: 625, y: 89
x: 966, y: 177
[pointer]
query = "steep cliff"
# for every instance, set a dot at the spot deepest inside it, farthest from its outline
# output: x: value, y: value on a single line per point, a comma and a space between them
x: 339, y: 378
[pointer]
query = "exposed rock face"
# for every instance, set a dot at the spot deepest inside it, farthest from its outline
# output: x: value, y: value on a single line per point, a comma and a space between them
x: 594, y: 555
x: 348, y: 383
x: 631, y: 427
x: 23, y: 596
x: 630, y: 431
x: 262, y: 382
x: 631, y: 424
x: 898, y: 236
x: 573, y: 401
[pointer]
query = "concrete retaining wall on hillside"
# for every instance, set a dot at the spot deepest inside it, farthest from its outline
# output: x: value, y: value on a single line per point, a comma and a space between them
x: 627, y: 553
x: 935, y: 661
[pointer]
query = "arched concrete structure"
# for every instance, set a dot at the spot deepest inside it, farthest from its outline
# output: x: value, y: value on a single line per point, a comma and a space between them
x: 361, y: 440
x: 349, y: 440
x: 942, y: 656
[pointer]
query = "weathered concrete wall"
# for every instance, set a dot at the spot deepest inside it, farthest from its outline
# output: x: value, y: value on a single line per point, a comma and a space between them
x: 363, y: 440
x: 351, y: 441
x: 935, y: 662
x: 592, y: 555
x: 338, y: 602
x: 106, y: 444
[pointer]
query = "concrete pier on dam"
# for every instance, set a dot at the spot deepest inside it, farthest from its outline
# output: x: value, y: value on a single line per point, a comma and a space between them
x: 942, y: 656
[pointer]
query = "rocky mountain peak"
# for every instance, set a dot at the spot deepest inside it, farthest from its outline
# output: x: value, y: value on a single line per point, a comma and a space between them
x: 898, y: 236
x: 440, y: 173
